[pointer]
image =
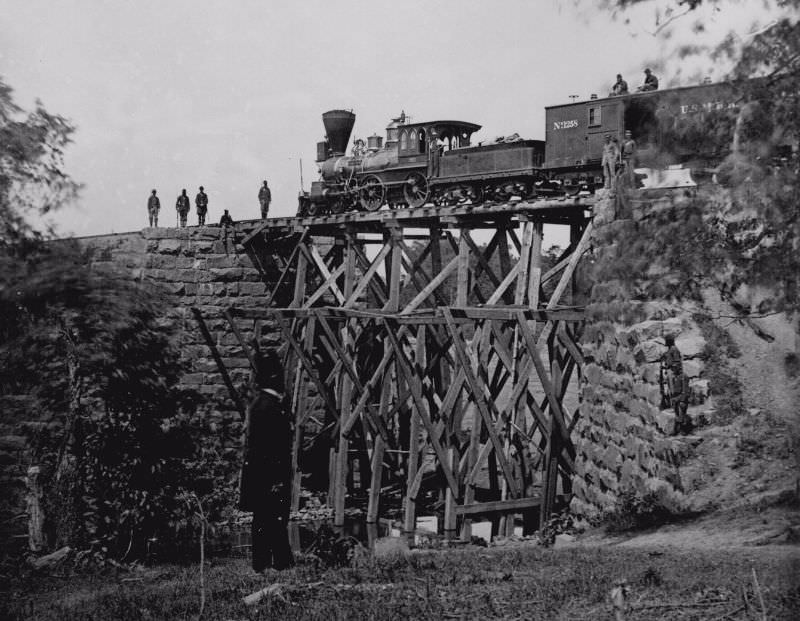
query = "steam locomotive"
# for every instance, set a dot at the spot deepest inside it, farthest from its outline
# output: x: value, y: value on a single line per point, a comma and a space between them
x: 419, y: 163
x: 681, y: 134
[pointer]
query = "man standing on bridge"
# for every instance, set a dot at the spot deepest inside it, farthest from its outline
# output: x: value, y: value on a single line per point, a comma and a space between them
x: 201, y: 201
x: 153, y: 207
x: 182, y: 206
x: 264, y: 199
x: 265, y: 485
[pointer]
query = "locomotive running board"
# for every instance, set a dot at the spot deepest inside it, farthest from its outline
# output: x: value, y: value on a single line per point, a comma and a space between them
x: 662, y: 178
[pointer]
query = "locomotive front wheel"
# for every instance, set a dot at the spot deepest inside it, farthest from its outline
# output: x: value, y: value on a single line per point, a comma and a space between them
x: 416, y: 190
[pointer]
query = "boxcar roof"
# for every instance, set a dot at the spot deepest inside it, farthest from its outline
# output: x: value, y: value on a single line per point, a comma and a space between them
x: 654, y: 93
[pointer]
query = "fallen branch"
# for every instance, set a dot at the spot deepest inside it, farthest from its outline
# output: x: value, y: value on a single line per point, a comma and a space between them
x: 760, y: 598
x: 682, y: 605
x: 273, y: 590
x: 728, y: 615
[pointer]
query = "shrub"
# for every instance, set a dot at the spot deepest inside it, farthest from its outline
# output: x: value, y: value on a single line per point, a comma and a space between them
x: 636, y: 511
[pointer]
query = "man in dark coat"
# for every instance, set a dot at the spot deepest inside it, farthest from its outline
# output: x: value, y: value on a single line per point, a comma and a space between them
x: 678, y: 385
x: 650, y: 81
x: 201, y: 201
x: 153, y: 207
x: 264, y: 199
x: 620, y: 87
x: 226, y: 219
x: 266, y: 472
x: 182, y: 206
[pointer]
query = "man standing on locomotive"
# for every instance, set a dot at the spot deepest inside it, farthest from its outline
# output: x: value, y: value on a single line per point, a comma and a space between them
x: 610, y: 159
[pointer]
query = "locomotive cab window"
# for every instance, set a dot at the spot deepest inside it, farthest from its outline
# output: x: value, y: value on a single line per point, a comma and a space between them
x: 403, y: 141
x: 595, y: 117
x: 421, y: 141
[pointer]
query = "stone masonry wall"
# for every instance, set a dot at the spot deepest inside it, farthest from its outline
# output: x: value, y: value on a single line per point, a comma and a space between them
x: 623, y: 439
x: 198, y: 267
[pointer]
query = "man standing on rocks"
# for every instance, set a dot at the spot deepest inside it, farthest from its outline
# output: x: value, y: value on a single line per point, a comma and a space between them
x: 182, y: 206
x: 264, y: 199
x: 265, y: 485
x: 153, y: 207
x: 201, y: 201
x: 628, y: 153
x: 610, y: 159
x: 678, y: 385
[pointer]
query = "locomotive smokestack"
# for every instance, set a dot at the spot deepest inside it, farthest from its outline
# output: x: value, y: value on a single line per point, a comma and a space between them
x: 338, y: 125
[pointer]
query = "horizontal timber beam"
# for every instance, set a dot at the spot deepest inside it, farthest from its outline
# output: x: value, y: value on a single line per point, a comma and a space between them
x: 432, y: 316
x: 548, y: 211
x: 499, y: 506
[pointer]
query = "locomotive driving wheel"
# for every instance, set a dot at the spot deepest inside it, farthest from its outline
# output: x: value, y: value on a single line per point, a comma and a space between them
x: 415, y: 190
x: 372, y: 193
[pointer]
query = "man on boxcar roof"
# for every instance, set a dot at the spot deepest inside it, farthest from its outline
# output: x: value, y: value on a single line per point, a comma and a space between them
x: 650, y: 81
x: 620, y: 87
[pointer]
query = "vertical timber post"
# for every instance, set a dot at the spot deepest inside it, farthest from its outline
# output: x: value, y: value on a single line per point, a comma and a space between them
x: 342, y: 458
x: 302, y: 387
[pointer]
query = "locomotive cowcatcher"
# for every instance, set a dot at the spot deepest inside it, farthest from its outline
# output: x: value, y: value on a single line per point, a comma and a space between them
x: 419, y: 163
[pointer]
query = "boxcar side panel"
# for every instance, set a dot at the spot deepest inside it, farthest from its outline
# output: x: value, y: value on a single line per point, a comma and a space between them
x: 574, y: 132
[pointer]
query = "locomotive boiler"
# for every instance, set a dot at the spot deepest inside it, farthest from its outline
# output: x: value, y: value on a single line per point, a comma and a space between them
x: 431, y: 162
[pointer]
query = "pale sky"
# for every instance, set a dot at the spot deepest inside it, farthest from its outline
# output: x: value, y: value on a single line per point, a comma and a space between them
x: 173, y: 94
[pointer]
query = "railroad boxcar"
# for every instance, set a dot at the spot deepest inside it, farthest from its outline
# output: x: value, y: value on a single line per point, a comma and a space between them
x: 688, y: 128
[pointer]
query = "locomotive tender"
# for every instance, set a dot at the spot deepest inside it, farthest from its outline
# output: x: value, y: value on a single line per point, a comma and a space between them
x: 686, y: 128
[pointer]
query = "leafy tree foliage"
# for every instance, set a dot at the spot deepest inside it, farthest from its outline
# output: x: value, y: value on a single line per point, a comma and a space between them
x: 95, y: 360
x: 32, y: 180
x: 745, y: 232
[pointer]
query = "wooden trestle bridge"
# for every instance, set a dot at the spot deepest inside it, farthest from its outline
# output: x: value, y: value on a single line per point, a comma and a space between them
x: 457, y: 392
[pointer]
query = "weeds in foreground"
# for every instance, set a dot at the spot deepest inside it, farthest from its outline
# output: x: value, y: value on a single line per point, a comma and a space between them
x: 519, y: 583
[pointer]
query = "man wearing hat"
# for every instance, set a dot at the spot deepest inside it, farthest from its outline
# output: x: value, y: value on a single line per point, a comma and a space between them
x: 650, y: 81
x: 153, y: 207
x: 265, y: 485
x: 678, y: 385
x: 201, y: 201
x: 182, y: 206
x: 264, y: 199
x: 610, y: 159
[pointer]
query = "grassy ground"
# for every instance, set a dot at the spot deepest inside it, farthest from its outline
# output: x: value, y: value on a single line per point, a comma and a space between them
x: 510, y: 583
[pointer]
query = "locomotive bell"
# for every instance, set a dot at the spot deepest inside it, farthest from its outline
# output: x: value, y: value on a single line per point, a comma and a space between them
x: 338, y: 125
